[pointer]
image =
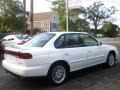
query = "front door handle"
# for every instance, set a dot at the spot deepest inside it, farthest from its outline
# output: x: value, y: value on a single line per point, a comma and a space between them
x: 66, y: 54
x: 89, y: 51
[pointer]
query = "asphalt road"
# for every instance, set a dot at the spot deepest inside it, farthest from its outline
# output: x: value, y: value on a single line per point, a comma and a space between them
x: 95, y: 78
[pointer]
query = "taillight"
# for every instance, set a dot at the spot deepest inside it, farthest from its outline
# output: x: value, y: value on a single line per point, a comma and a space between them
x: 1, y: 45
x: 19, y: 54
x: 24, y: 55
x: 21, y: 42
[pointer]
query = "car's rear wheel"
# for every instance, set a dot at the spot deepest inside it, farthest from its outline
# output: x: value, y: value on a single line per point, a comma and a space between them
x: 110, y: 60
x: 57, y: 73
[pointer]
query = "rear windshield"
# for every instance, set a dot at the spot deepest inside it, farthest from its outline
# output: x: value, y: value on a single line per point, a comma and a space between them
x: 39, y: 40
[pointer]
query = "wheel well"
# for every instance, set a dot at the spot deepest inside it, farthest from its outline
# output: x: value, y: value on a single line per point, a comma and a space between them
x: 63, y: 62
x: 113, y: 52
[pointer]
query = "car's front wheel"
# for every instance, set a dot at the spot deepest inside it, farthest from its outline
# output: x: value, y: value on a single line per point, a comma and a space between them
x: 58, y: 73
x: 110, y: 60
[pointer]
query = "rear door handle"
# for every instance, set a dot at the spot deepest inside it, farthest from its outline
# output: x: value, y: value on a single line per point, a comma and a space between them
x: 89, y: 51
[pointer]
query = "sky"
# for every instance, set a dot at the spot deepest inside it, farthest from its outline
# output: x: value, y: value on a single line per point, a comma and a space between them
x: 45, y: 6
x: 39, y: 5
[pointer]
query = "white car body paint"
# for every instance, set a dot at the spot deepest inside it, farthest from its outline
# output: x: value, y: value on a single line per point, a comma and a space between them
x: 44, y: 57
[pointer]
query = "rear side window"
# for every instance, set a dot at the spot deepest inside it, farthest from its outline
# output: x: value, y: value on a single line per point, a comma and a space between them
x: 39, y: 40
x: 59, y: 43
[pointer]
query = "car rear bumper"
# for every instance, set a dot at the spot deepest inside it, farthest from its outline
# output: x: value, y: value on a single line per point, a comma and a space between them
x: 26, y: 71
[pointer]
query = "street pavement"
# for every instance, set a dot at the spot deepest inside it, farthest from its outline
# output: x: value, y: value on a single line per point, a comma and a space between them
x: 94, y: 78
x: 109, y: 40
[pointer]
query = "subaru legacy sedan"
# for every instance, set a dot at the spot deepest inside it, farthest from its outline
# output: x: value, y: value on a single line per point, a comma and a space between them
x: 56, y: 54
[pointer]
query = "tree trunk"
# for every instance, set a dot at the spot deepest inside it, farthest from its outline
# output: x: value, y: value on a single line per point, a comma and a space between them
x: 96, y: 30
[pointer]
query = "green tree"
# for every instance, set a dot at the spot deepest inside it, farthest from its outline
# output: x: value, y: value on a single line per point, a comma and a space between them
x: 74, y: 21
x: 11, y: 15
x: 97, y: 14
x: 81, y: 23
x: 58, y: 6
x: 110, y: 29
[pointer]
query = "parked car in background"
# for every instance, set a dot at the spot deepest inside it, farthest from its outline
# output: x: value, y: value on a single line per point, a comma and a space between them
x: 27, y: 37
x: 56, y: 54
x: 14, y: 39
x: 99, y: 35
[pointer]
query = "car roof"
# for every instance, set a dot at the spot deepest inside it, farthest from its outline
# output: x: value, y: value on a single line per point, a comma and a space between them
x: 59, y: 33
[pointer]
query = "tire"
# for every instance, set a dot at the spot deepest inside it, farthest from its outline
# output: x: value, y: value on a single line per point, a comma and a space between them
x: 57, y: 74
x: 110, y: 60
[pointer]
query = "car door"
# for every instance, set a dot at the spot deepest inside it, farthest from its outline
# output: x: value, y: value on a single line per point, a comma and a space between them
x: 95, y: 52
x: 72, y: 50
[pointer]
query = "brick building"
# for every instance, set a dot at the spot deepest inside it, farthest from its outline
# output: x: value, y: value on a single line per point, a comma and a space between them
x: 46, y: 21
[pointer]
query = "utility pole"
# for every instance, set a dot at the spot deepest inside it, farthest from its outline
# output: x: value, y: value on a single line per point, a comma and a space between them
x: 31, y: 16
x: 67, y: 26
x: 24, y: 27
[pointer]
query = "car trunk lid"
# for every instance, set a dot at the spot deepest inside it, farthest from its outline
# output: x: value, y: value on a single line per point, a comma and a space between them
x: 17, y: 54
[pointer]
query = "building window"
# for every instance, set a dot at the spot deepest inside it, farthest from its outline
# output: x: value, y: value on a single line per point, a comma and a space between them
x: 54, y: 17
x: 46, y: 24
x: 54, y: 25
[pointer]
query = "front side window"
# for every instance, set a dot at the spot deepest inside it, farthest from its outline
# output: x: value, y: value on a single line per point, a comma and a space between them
x: 88, y: 40
x: 39, y: 40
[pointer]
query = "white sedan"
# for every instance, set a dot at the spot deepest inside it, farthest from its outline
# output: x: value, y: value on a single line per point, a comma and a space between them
x: 14, y: 39
x: 56, y: 54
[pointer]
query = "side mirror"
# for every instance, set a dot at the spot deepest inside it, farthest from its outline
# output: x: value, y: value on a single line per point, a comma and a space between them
x: 100, y: 43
